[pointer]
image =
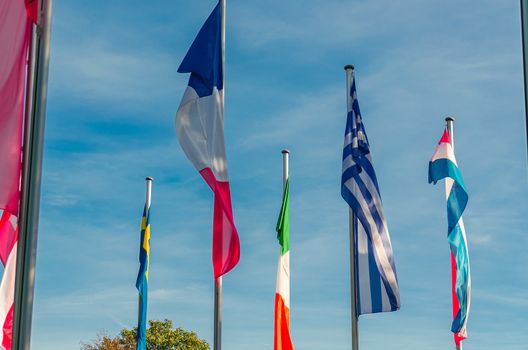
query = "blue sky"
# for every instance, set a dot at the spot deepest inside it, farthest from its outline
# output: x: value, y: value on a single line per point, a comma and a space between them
x: 113, y: 94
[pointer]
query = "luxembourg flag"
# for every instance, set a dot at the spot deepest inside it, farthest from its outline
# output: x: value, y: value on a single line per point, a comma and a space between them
x: 200, y: 131
x: 444, y: 165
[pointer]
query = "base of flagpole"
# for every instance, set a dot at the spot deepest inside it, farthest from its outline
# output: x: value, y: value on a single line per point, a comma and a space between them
x: 217, y: 343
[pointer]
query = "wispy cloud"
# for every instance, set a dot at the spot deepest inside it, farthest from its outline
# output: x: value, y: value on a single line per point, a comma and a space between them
x: 95, y: 70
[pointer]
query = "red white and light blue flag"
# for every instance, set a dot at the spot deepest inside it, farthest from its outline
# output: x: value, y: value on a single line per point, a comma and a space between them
x: 200, y: 131
x: 376, y: 280
x: 443, y: 165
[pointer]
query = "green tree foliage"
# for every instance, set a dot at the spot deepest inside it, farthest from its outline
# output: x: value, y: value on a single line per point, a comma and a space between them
x: 160, y: 336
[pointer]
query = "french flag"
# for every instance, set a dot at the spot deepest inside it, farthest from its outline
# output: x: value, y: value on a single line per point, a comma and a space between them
x: 200, y: 131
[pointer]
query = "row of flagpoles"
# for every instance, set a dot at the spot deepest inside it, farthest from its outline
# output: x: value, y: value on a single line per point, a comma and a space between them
x: 199, y: 125
x: 374, y: 283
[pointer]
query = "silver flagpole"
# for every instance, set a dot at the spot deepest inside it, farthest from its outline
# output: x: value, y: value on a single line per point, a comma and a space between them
x: 217, y: 343
x: 218, y: 314
x: 524, y: 31
x: 285, y: 166
x: 353, y: 233
x: 353, y: 273
x: 450, y: 122
x: 31, y: 178
x: 148, y: 198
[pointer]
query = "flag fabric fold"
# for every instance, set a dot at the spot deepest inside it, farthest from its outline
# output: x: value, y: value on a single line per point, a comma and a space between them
x: 200, y: 131
x: 32, y: 8
x: 282, y: 337
x: 376, y: 279
x: 443, y: 165
x: 142, y: 279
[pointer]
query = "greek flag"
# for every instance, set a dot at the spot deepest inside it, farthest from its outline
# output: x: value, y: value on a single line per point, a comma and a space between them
x: 376, y: 280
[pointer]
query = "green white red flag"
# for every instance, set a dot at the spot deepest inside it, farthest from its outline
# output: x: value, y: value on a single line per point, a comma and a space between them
x: 282, y: 338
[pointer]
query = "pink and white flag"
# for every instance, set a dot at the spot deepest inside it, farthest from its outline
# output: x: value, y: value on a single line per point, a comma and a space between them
x: 15, y: 28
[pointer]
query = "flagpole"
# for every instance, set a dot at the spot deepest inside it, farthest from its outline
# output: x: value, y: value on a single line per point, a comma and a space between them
x: 353, y: 275
x: 285, y: 166
x: 31, y: 179
x: 148, y: 192
x: 524, y: 33
x: 352, y: 233
x: 449, y: 124
x: 218, y: 314
x: 217, y: 343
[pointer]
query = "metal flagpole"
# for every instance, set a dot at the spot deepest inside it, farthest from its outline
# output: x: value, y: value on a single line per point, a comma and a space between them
x: 148, y: 198
x: 218, y: 314
x: 450, y: 122
x: 285, y: 166
x: 31, y: 178
x: 217, y: 343
x: 353, y: 275
x: 524, y: 31
x: 353, y: 236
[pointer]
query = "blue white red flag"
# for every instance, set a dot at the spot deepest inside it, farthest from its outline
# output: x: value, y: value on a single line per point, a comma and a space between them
x: 376, y: 282
x: 443, y: 165
x: 200, y: 131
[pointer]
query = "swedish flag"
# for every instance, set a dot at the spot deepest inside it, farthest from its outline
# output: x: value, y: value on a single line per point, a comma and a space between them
x: 142, y: 279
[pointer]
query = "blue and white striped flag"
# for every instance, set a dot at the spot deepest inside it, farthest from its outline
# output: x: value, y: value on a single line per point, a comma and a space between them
x: 376, y: 281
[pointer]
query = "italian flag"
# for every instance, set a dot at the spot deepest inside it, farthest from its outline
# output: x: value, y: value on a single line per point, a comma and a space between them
x: 282, y: 338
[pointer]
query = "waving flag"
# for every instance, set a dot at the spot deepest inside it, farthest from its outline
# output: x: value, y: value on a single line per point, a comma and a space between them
x: 14, y: 40
x: 15, y: 30
x: 376, y: 283
x: 282, y: 338
x: 200, y: 131
x: 142, y: 279
x: 443, y: 165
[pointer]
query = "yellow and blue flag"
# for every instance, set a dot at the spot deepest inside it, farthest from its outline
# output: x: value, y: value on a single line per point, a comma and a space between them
x: 142, y: 279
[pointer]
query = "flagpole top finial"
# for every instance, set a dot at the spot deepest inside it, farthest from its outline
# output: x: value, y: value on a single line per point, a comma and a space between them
x: 149, y: 178
x: 449, y: 119
x: 349, y: 66
x: 285, y: 151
